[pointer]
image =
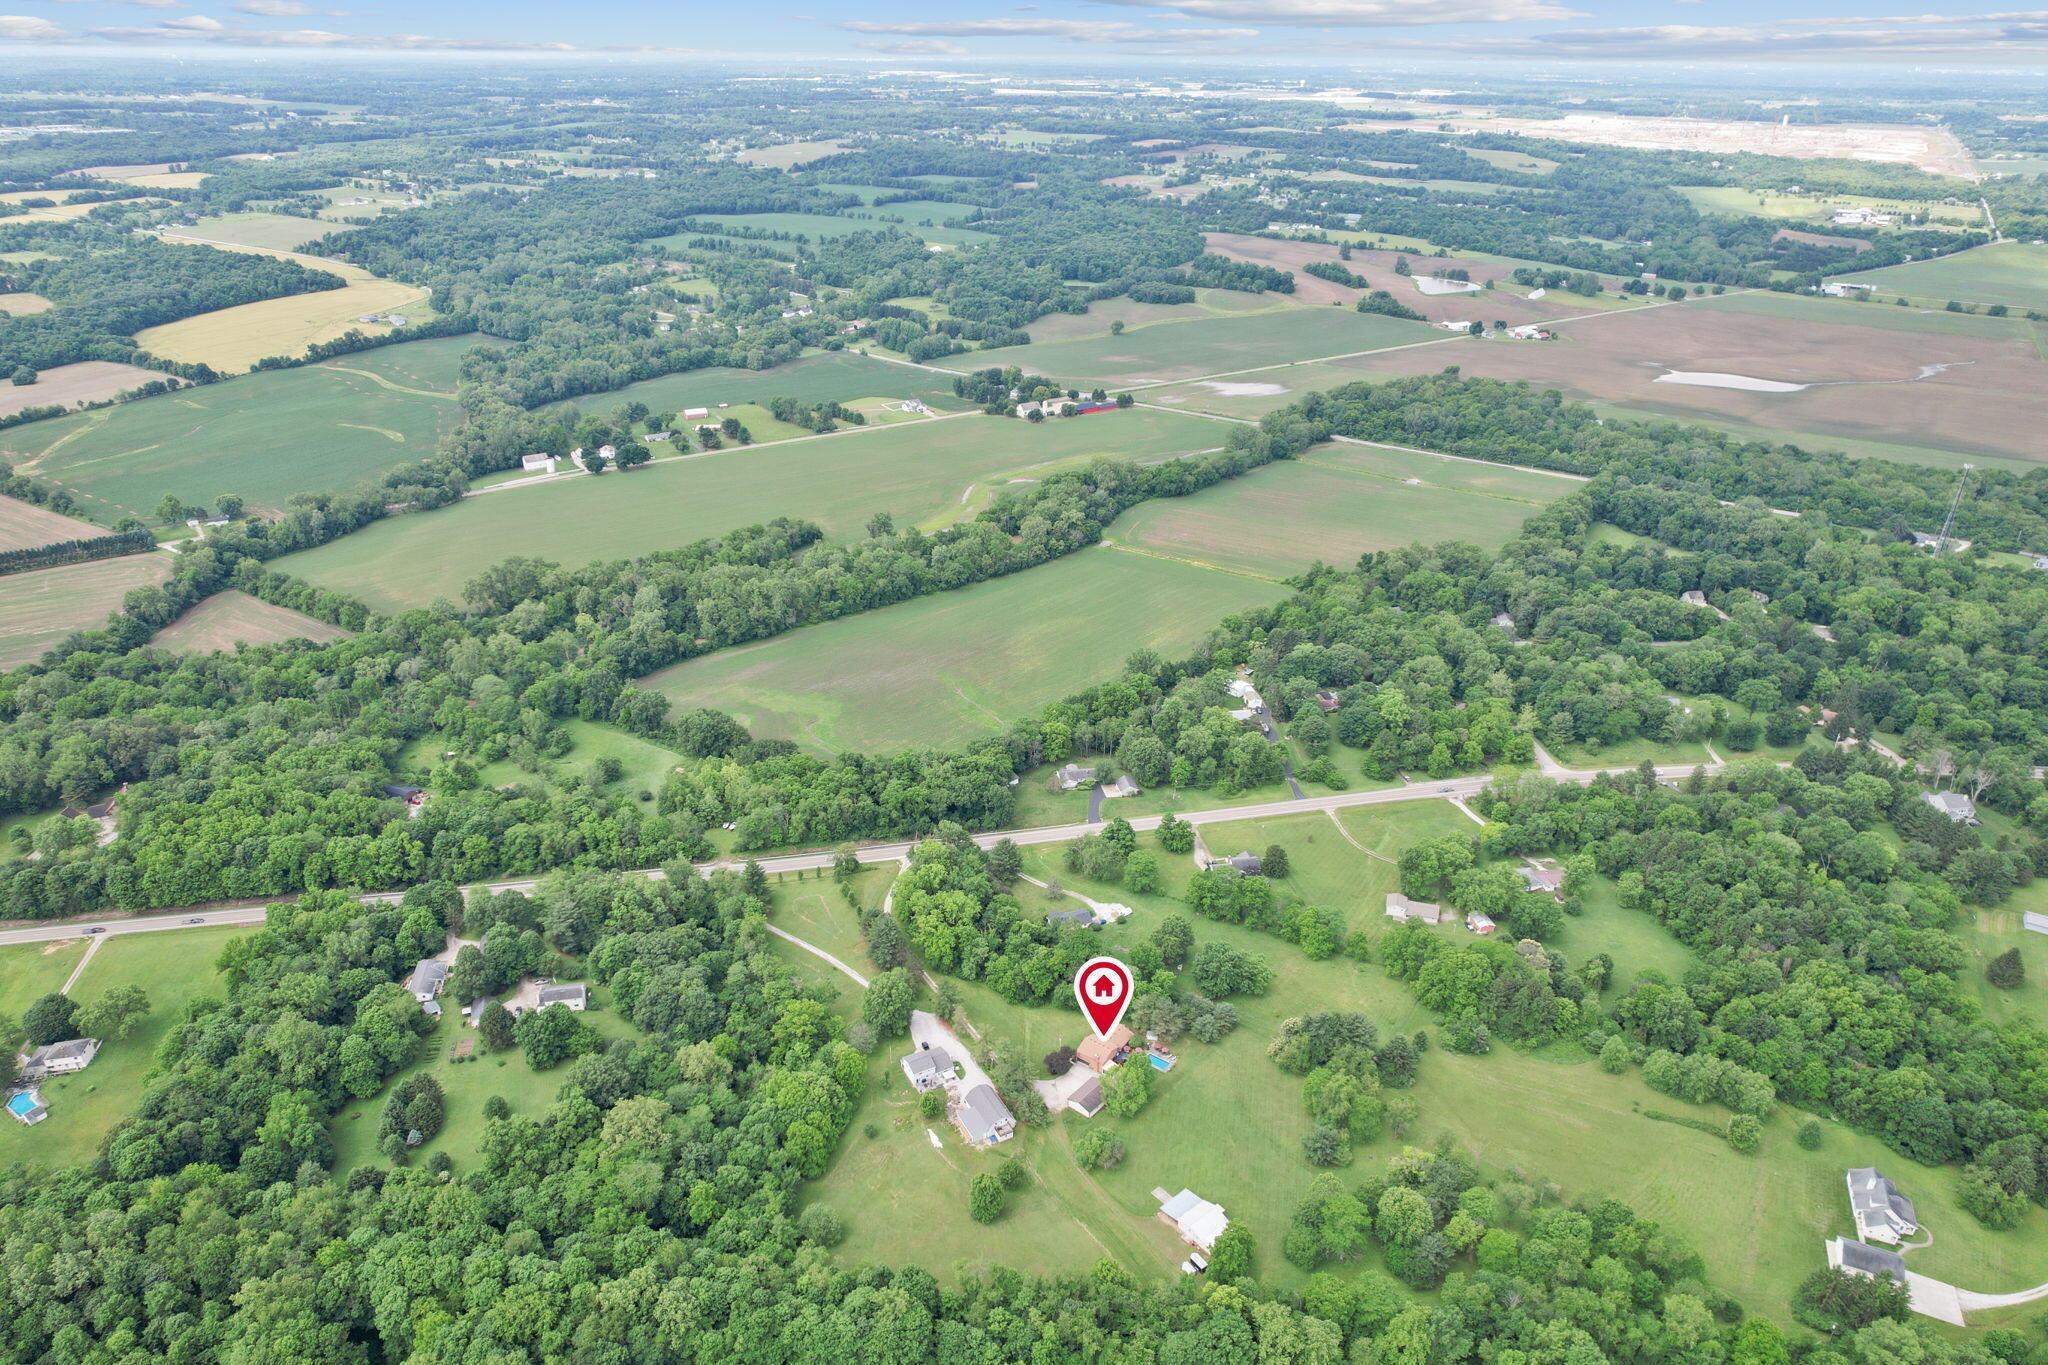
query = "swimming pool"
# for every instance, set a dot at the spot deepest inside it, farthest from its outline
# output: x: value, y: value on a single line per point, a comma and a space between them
x: 22, y: 1104
x: 1160, y: 1063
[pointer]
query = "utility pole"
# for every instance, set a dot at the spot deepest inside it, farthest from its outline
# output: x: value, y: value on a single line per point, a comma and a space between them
x: 1948, y: 523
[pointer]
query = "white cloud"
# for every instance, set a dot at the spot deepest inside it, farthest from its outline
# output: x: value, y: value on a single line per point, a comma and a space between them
x: 915, y: 47
x: 26, y: 28
x: 1070, y: 30
x: 1365, y: 13
x: 281, y: 9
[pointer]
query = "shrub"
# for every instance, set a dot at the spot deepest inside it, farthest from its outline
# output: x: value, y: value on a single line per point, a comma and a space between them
x: 1326, y: 1145
x: 932, y: 1104
x: 1098, y: 1148
x: 819, y: 1224
x: 1745, y: 1134
x: 985, y: 1199
x: 1810, y: 1134
x: 2006, y: 971
x: 1013, y: 1175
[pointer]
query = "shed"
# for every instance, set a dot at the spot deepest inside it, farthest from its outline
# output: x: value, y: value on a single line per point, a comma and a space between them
x: 1198, y: 1221
x: 1087, y: 1098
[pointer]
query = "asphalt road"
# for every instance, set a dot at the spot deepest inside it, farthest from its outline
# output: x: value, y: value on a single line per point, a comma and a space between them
x: 1460, y: 787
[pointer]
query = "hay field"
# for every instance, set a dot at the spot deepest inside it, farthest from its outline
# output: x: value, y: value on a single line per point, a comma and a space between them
x: 233, y: 339
x: 2012, y: 273
x: 1873, y: 372
x: 1333, y: 504
x: 312, y: 429
x: 918, y: 472
x: 88, y: 381
x: 232, y: 618
x: 272, y: 232
x: 37, y: 610
x: 22, y: 305
x: 785, y: 156
x: 1164, y: 352
x: 23, y: 526
x: 950, y: 668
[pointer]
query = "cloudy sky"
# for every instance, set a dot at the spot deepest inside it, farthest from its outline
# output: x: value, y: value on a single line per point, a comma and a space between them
x: 1101, y: 32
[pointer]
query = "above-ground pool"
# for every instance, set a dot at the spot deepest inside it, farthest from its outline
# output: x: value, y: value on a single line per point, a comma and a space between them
x: 1160, y: 1063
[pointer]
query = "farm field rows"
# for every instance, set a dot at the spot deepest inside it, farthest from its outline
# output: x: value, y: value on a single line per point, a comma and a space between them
x: 23, y: 526
x: 1333, y: 504
x: 1893, y: 381
x: 232, y: 618
x: 940, y: 671
x: 40, y: 608
x: 88, y: 381
x: 309, y: 429
x: 1168, y: 351
x: 914, y: 471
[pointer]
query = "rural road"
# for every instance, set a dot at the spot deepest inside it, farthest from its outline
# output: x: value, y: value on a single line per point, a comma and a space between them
x: 1453, y: 788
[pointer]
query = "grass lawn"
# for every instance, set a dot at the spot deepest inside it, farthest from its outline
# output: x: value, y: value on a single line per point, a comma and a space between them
x: 1335, y: 503
x: 1628, y: 752
x: 1634, y: 939
x: 1228, y: 1124
x: 1986, y: 934
x: 2011, y: 273
x: 315, y: 428
x: 912, y: 470
x: 1168, y: 351
x: 28, y: 972
x: 646, y: 764
x: 1103, y: 313
x: 815, y: 910
x: 39, y: 609
x: 467, y: 1084
x: 839, y: 376
x: 174, y: 967
x: 956, y: 666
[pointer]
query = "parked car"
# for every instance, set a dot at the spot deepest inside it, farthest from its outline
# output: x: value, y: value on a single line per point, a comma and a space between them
x: 97, y: 929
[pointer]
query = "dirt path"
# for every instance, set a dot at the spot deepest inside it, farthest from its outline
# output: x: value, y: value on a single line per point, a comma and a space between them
x: 381, y: 382
x: 1370, y: 853
x: 813, y: 949
x: 92, y: 946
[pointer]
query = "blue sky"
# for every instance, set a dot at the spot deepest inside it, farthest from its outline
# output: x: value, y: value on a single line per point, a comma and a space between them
x: 1348, y: 32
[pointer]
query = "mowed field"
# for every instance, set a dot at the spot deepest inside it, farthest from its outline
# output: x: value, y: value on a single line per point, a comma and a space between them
x: 23, y: 526
x: 950, y: 668
x: 927, y: 219
x: 269, y: 231
x: 233, y: 339
x: 1163, y: 352
x: 232, y: 618
x: 1335, y: 503
x: 88, y: 381
x: 314, y: 428
x: 39, y: 609
x: 836, y: 376
x: 1872, y: 371
x: 916, y: 471
x: 2011, y: 273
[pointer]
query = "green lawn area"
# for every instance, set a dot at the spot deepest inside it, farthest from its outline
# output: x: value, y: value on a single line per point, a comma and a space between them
x: 28, y: 972
x: 2011, y: 273
x: 1256, y: 394
x: 1335, y: 503
x: 647, y: 765
x: 1040, y: 803
x: 265, y: 436
x: 1103, y: 313
x: 1884, y: 316
x: 467, y: 1083
x: 815, y: 910
x: 175, y: 967
x: 914, y: 471
x: 1228, y: 1124
x: 1628, y: 752
x: 956, y: 666
x: 1986, y: 934
x: 1349, y: 868
x: 1634, y: 939
x: 269, y: 231
x: 1168, y: 351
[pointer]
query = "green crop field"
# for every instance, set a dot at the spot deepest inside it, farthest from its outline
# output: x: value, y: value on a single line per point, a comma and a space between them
x: 174, y: 968
x: 39, y: 609
x: 1169, y: 351
x: 313, y: 429
x: 1228, y: 1124
x: 1334, y: 504
x: 915, y: 471
x: 834, y: 376
x: 954, y: 667
x: 2012, y: 273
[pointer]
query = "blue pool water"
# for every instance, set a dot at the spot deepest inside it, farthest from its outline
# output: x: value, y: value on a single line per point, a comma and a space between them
x: 20, y: 1104
x: 1159, y: 1063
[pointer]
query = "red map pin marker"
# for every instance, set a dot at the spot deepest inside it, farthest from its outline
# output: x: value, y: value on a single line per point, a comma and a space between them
x: 1104, y: 987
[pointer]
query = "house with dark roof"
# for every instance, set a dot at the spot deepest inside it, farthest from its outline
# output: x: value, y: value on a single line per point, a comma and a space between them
x: 1078, y: 919
x: 1882, y: 1213
x: 1247, y: 863
x: 985, y: 1117
x: 1328, y: 701
x: 573, y: 994
x: 1858, y: 1259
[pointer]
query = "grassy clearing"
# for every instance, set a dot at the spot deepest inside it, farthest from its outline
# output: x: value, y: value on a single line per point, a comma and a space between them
x: 1334, y: 504
x: 39, y: 609
x: 644, y: 765
x: 265, y: 437
x: 820, y: 227
x: 2011, y: 273
x: 915, y: 471
x: 1987, y: 933
x: 1105, y: 313
x: 467, y: 1083
x: 1513, y: 161
x: 1735, y: 202
x: 174, y: 968
x: 232, y: 618
x: 835, y: 376
x: 957, y: 666
x: 269, y: 231
x: 1171, y: 351
x: 30, y: 971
